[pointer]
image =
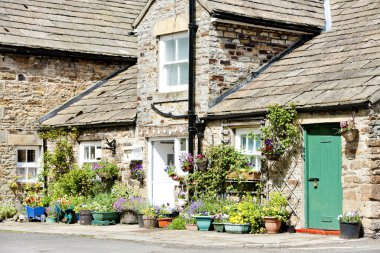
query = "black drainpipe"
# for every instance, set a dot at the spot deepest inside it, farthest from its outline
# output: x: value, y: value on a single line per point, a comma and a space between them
x: 191, y: 110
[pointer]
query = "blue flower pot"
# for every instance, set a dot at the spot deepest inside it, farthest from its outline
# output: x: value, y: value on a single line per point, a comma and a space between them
x: 203, y: 222
x: 236, y: 228
x: 34, y: 213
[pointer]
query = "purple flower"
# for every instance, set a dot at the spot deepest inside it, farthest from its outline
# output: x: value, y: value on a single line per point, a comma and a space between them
x: 268, y: 142
x: 96, y: 166
x: 118, y: 205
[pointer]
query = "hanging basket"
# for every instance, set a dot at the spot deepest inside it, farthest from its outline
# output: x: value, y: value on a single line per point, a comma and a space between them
x: 187, y: 168
x: 273, y: 157
x: 351, y: 134
x: 202, y: 165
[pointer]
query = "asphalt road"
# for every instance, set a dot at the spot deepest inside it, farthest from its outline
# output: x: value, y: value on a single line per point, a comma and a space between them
x: 16, y: 242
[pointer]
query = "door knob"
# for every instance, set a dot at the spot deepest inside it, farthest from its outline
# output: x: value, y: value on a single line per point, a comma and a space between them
x: 315, y: 180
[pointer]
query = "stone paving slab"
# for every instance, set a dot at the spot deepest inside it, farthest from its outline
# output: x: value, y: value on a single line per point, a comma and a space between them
x: 182, y: 238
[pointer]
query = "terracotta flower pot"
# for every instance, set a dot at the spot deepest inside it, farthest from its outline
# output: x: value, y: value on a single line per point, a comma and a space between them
x: 149, y: 221
x: 164, y: 222
x: 272, y: 225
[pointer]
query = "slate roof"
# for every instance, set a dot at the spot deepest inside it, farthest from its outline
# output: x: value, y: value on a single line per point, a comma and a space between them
x: 337, y: 68
x: 91, y: 27
x: 298, y: 12
x: 109, y: 101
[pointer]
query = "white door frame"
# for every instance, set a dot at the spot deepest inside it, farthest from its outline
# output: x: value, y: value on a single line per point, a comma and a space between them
x: 150, y: 159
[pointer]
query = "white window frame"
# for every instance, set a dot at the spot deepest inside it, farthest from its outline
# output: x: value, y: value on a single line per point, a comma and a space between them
x: 29, y: 165
x: 89, y: 144
x: 164, y: 87
x: 255, y: 154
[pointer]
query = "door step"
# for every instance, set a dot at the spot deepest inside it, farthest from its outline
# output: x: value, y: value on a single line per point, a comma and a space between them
x: 315, y: 231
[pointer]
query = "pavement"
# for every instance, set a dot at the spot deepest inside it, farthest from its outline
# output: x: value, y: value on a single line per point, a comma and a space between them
x: 183, y: 238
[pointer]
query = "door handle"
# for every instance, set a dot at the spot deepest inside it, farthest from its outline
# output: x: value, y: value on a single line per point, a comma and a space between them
x: 313, y: 179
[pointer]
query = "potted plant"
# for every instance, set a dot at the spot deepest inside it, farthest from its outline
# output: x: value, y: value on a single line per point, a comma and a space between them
x: 219, y: 220
x: 271, y: 150
x: 204, y: 214
x: 52, y: 215
x: 137, y: 172
x: 149, y: 216
x: 187, y: 162
x: 244, y: 216
x: 164, y: 218
x: 34, y: 207
x: 171, y: 171
x: 275, y: 213
x: 107, y: 172
x: 129, y: 209
x: 182, y: 198
x: 201, y: 162
x: 103, y: 212
x: 281, y: 131
x: 350, y: 223
x: 348, y: 130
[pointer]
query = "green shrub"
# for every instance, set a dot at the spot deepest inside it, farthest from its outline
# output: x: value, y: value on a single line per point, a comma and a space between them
x: 7, y: 210
x: 102, y: 202
x: 79, y: 181
x: 178, y: 223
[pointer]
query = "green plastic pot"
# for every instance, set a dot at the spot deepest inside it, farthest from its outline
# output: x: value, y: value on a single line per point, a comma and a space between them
x: 219, y: 227
x: 203, y: 222
x: 236, y: 228
x: 105, y: 216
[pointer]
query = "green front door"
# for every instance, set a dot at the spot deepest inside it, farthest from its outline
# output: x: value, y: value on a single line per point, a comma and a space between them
x: 323, y: 176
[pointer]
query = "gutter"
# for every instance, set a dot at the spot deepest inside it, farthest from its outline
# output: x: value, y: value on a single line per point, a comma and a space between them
x: 67, y: 54
x: 263, y: 112
x: 315, y: 30
x: 55, y: 111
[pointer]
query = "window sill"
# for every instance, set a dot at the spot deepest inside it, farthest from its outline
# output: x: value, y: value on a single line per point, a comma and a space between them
x: 173, y: 89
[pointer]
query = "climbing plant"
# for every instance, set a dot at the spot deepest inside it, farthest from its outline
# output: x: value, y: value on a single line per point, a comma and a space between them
x: 61, y: 160
x: 211, y: 183
x: 282, y: 129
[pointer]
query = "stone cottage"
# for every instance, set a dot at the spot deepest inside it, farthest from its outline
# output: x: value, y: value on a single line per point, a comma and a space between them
x: 331, y: 78
x: 51, y: 51
x: 249, y: 55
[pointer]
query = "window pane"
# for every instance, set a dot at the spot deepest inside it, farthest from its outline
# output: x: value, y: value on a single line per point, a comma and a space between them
x: 171, y: 74
x: 21, y: 174
x: 169, y: 51
x: 183, y: 144
x: 86, y: 153
x: 258, y: 143
x: 183, y: 49
x: 184, y: 73
x: 243, y: 144
x: 92, y: 154
x: 31, y: 156
x: 21, y: 156
x: 250, y: 145
x: 32, y: 173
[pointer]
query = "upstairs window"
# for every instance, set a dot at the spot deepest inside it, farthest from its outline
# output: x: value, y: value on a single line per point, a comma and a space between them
x: 174, y: 62
x: 90, y: 152
x: 249, y: 146
x: 27, y: 163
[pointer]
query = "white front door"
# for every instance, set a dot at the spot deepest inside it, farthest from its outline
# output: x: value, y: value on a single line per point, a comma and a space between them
x: 165, y: 152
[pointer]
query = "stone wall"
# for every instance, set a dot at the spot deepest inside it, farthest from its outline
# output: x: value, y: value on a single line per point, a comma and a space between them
x: 126, y: 140
x: 225, y: 55
x: 360, y: 165
x: 30, y: 86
